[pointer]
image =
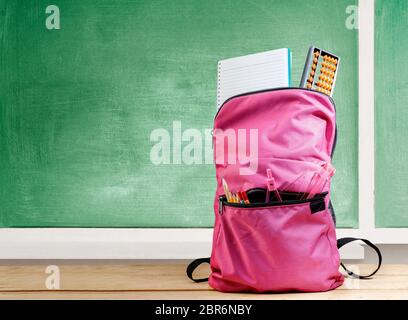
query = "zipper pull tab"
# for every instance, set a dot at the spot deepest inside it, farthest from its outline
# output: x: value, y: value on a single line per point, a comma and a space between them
x: 271, y: 187
x: 327, y: 170
x: 220, y: 206
x: 328, y: 167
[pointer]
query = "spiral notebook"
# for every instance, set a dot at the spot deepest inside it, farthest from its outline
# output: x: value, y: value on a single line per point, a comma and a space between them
x: 259, y: 71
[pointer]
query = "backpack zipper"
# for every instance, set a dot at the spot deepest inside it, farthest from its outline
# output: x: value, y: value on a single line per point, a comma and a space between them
x: 269, y: 90
x: 223, y: 202
x: 283, y: 88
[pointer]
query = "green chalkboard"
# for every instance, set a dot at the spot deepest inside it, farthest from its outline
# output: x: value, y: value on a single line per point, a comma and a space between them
x: 79, y: 104
x: 391, y: 116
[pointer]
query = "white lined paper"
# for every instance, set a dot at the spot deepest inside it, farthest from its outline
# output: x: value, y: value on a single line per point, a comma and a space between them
x: 259, y: 71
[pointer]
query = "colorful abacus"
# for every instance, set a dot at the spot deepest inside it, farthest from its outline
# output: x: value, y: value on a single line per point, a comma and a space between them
x: 320, y: 71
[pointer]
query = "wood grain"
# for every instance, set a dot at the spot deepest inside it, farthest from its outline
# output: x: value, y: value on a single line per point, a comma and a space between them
x: 164, y: 281
x: 209, y: 295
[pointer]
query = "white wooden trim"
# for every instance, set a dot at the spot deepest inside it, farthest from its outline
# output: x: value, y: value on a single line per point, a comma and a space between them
x: 101, y: 243
x: 377, y: 235
x: 85, y: 243
x: 366, y: 116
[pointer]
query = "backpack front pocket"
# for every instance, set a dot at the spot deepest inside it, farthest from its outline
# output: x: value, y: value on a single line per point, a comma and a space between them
x: 279, y: 246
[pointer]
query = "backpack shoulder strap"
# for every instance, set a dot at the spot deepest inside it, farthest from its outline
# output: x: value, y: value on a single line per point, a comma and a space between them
x: 343, y: 241
x: 194, y: 265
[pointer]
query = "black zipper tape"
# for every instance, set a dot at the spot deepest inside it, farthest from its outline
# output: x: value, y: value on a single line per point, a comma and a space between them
x: 317, y: 198
x: 316, y: 204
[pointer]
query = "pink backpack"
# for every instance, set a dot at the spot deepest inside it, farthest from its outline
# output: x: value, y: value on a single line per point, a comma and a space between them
x: 285, y: 137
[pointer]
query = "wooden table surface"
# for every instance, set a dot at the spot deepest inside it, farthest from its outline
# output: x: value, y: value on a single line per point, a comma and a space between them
x: 168, y: 281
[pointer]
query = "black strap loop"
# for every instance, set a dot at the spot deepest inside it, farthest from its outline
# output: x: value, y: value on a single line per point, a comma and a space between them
x: 343, y: 241
x: 194, y: 265
x: 340, y: 243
